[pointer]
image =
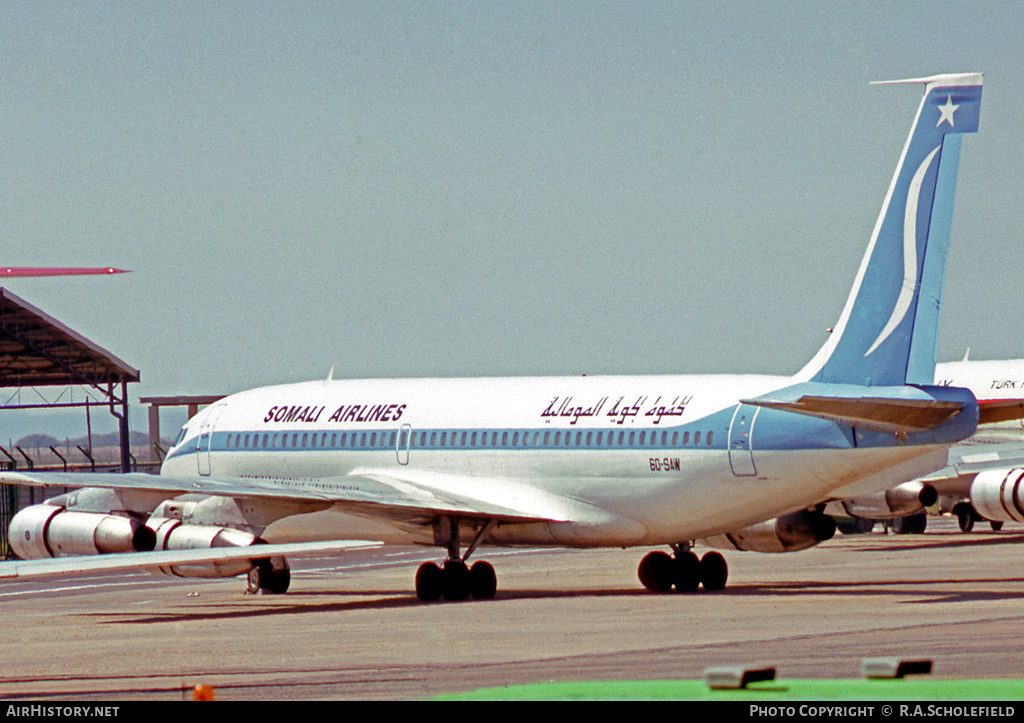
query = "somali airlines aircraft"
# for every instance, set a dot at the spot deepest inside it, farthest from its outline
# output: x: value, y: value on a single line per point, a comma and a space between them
x: 569, y: 461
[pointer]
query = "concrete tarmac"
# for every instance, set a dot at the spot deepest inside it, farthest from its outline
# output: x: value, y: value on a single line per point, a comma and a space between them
x: 352, y: 628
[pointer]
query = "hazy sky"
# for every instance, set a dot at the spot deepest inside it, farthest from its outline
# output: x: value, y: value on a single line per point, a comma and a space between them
x: 487, y: 188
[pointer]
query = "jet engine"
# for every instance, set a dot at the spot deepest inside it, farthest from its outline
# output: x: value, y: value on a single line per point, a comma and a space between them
x: 998, y: 495
x: 47, y: 530
x: 906, y: 499
x: 172, y: 534
x: 91, y: 522
x: 789, y: 533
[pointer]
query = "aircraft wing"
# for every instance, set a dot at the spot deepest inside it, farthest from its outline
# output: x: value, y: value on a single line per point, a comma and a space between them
x: 397, y: 494
x: 993, y: 411
x: 50, y: 567
x: 967, y: 460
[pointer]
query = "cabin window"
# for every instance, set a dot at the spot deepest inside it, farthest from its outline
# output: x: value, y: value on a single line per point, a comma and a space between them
x: 643, y: 436
x: 696, y: 437
x: 472, y: 439
x: 709, y: 438
x: 632, y: 438
x: 589, y: 434
x: 515, y: 439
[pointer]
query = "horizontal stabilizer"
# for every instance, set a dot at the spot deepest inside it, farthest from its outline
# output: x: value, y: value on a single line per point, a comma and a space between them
x: 25, y: 569
x: 1000, y: 410
x: 880, y: 415
x: 905, y: 410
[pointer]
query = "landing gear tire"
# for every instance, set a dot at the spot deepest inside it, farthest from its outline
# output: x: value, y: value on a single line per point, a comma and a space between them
x: 910, y: 525
x: 456, y: 580
x: 687, y: 572
x: 483, y: 583
x: 265, y: 578
x: 429, y: 582
x: 656, y: 571
x: 965, y: 516
x: 713, y: 572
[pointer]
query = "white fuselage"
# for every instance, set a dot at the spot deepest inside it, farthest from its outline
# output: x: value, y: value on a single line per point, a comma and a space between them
x: 600, y: 460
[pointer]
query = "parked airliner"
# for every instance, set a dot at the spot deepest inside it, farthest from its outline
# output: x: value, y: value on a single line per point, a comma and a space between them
x: 570, y: 461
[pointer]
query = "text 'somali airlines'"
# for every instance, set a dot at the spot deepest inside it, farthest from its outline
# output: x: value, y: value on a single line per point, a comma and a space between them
x: 587, y: 461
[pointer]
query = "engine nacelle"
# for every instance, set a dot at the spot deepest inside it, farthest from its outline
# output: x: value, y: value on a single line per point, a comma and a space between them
x: 906, y: 499
x: 171, y: 534
x: 789, y: 533
x: 998, y: 495
x: 45, y: 530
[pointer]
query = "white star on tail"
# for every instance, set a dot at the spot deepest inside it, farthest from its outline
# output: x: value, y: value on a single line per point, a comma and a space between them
x: 947, y: 112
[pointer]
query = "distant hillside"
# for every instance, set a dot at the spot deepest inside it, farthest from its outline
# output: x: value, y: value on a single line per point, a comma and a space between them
x: 112, y: 439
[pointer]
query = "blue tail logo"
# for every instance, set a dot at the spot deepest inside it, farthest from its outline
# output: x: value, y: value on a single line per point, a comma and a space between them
x: 889, y: 326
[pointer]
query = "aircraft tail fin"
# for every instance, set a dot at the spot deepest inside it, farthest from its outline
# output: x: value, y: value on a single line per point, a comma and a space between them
x: 887, y: 332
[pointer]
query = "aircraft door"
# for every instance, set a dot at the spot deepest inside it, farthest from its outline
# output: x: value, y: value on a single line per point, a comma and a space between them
x: 403, y: 443
x: 204, y: 442
x: 741, y: 450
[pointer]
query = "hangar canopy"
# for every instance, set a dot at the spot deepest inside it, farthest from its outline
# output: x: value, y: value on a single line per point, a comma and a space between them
x: 36, y: 350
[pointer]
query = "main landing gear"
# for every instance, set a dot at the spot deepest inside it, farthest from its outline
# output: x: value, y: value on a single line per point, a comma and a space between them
x: 682, y: 571
x: 456, y: 580
x: 271, y: 576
